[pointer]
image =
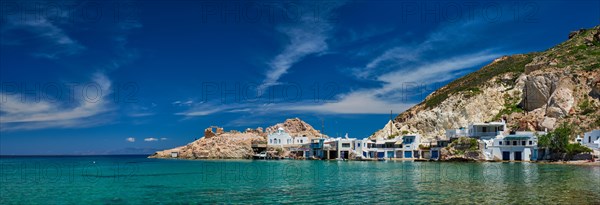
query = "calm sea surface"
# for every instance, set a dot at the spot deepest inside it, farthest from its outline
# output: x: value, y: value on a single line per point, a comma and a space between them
x: 137, y: 180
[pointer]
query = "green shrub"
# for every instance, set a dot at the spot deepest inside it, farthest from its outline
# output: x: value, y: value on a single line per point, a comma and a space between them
x: 507, y: 110
x: 574, y: 149
x: 591, y: 67
x: 586, y: 107
x: 557, y: 140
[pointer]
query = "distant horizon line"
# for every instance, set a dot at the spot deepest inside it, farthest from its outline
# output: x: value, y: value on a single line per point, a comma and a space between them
x: 67, y: 155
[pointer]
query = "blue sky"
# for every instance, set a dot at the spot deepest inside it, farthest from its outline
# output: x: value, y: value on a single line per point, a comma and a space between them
x: 103, y: 77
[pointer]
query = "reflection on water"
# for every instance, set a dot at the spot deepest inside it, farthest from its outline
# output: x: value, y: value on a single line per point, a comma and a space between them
x: 134, y: 179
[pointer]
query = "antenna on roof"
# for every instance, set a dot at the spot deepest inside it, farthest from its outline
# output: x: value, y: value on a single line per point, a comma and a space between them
x: 391, y: 124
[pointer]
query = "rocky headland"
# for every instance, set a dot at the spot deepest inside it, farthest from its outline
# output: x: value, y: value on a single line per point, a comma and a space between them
x: 220, y: 144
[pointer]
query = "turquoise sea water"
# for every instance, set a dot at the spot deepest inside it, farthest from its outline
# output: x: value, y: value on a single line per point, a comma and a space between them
x: 137, y: 180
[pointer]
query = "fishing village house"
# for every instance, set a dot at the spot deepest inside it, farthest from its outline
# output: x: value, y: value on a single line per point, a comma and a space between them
x: 591, y: 140
x: 517, y: 146
x: 344, y: 146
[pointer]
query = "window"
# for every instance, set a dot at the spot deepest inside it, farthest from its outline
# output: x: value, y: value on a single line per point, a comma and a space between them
x: 500, y: 142
x: 523, y: 143
x: 346, y: 145
x: 514, y: 143
x: 484, y: 129
x: 530, y: 142
x: 358, y: 145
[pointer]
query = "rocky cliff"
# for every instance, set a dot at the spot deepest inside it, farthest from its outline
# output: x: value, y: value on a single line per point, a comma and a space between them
x: 533, y: 91
x: 220, y: 144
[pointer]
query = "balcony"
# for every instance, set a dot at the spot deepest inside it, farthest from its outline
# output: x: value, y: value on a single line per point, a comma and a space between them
x: 484, y: 134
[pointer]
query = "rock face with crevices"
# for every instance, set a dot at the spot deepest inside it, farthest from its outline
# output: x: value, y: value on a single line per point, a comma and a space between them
x: 534, y: 91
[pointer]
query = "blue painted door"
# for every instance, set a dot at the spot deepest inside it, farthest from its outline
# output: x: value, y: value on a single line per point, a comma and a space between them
x: 408, y: 154
x: 380, y: 154
x: 435, y: 154
x: 506, y: 156
x: 518, y: 156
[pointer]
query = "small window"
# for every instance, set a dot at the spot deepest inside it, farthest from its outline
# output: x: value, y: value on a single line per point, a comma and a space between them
x: 514, y: 143
x: 530, y: 142
x: 500, y: 142
x: 523, y: 143
x: 358, y: 145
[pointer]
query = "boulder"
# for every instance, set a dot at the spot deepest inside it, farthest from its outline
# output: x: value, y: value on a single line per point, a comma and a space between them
x: 562, y: 99
x: 537, y: 91
x: 595, y: 92
x: 548, y: 122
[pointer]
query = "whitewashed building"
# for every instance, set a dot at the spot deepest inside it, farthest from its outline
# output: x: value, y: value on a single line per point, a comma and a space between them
x: 404, y: 147
x: 518, y: 146
x: 486, y: 130
x: 591, y: 139
x: 279, y: 138
x: 301, y: 140
x: 410, y: 146
x: 361, y: 148
x: 344, y: 147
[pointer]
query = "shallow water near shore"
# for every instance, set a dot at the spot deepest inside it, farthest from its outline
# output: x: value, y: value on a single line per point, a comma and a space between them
x: 138, y: 180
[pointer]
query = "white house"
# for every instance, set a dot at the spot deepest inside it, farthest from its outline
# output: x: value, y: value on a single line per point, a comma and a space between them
x: 486, y: 130
x: 360, y: 147
x: 519, y: 146
x: 591, y: 139
x: 406, y: 147
x: 279, y: 138
x: 410, y: 146
x: 301, y: 140
x: 344, y: 147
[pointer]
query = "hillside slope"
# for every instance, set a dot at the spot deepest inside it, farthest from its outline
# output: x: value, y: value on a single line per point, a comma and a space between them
x: 533, y: 91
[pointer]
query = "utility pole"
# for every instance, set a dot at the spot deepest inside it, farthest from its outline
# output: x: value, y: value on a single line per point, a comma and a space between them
x: 391, y: 124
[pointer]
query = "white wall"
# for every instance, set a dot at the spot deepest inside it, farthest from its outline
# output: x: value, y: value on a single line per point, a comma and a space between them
x: 279, y: 138
x: 592, y: 139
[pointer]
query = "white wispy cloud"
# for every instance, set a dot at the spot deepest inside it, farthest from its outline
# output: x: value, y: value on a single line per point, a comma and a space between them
x: 49, y: 39
x: 205, y: 109
x: 130, y: 139
x: 19, y: 114
x: 306, y: 38
x: 397, y: 68
x: 360, y: 102
x: 150, y: 139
